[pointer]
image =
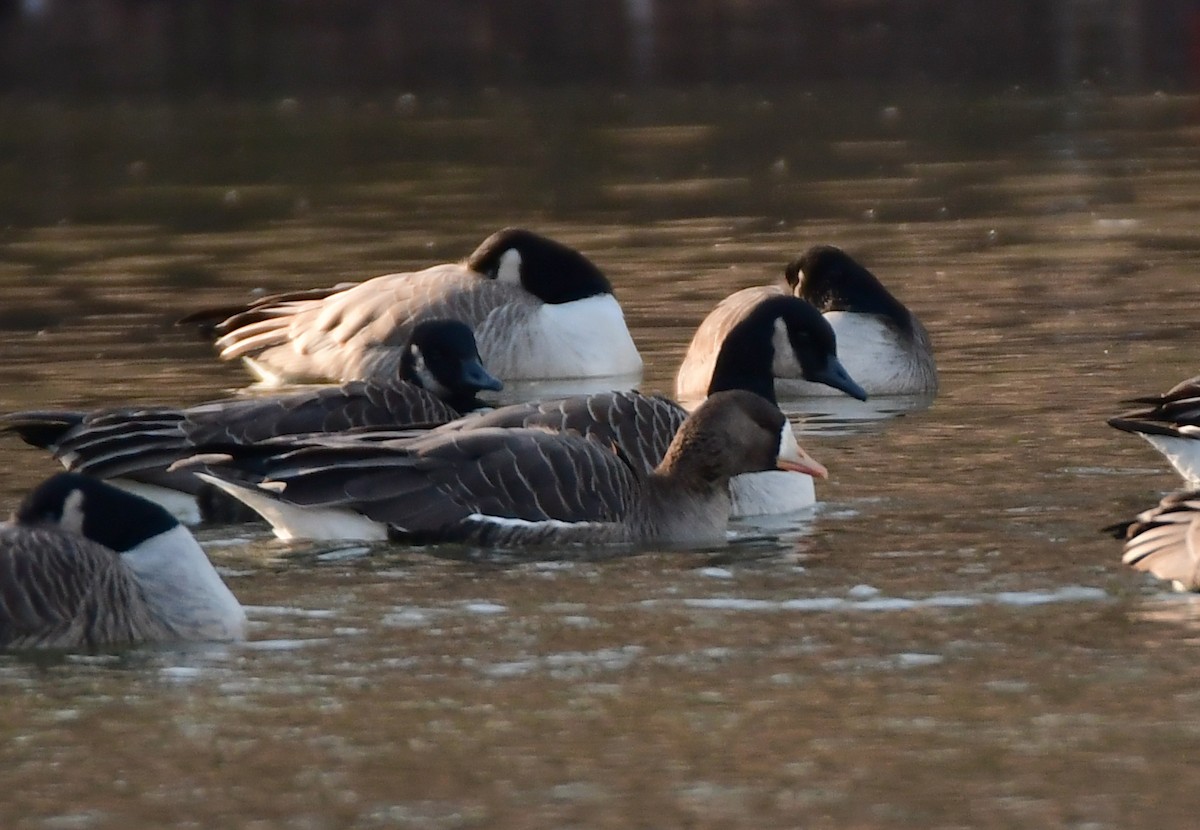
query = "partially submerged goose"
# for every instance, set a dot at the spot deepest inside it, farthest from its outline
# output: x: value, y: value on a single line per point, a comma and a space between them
x: 1171, y: 423
x: 643, y: 426
x: 880, y: 342
x: 1165, y: 540
x: 515, y: 486
x: 440, y: 376
x: 86, y: 565
x: 539, y: 310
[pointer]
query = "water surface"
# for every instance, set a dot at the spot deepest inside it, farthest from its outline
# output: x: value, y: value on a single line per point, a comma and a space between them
x: 945, y: 641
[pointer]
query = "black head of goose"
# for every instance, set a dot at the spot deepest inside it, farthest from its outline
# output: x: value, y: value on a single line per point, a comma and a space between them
x: 440, y: 377
x: 1170, y: 422
x: 776, y: 330
x: 539, y: 310
x: 1165, y: 540
x: 762, y: 327
x: 497, y: 486
x: 84, y: 564
x: 881, y: 341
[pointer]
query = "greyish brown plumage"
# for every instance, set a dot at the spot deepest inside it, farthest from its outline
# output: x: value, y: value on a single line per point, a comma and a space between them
x: 1165, y: 540
x: 539, y: 309
x: 501, y: 486
x: 440, y: 375
x: 85, y: 565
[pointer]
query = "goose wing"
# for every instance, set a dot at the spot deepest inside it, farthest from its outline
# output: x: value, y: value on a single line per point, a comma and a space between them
x: 142, y: 443
x: 442, y: 482
x: 1165, y: 540
x: 359, y: 330
x: 1175, y: 413
x: 641, y: 426
x: 58, y: 590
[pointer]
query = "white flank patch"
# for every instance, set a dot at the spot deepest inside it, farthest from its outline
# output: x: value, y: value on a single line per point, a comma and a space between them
x: 505, y: 521
x: 584, y: 338
x: 770, y: 492
x: 291, y: 522
x: 1183, y: 453
x: 179, y: 504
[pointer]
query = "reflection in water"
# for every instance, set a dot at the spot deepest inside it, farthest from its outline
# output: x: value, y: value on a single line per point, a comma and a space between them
x: 945, y: 640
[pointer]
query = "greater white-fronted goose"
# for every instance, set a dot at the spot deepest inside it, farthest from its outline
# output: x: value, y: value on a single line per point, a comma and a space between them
x: 496, y: 486
x: 86, y: 565
x: 539, y: 310
x: 1171, y: 423
x: 880, y: 342
x: 440, y: 377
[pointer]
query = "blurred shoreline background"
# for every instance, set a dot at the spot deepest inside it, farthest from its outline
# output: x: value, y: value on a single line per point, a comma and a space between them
x: 252, y: 48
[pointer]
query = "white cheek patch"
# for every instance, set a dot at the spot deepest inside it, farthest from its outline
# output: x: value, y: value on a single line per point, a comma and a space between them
x: 421, y: 370
x: 510, y: 267
x: 785, y: 363
x: 72, y: 513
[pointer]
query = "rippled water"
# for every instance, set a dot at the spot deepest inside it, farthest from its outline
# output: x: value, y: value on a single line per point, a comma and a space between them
x: 946, y: 641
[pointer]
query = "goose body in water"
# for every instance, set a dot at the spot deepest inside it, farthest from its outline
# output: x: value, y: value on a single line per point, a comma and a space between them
x: 1165, y: 540
x: 440, y: 376
x: 1171, y: 423
x: 539, y: 310
x: 519, y: 486
x: 86, y: 565
x: 880, y: 342
x: 643, y: 426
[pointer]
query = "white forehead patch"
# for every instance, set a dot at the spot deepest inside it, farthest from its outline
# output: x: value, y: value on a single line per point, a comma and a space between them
x: 510, y: 267
x: 72, y: 513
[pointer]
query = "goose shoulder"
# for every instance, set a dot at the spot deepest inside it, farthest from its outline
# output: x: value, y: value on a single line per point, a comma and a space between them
x: 84, y: 564
x: 641, y: 426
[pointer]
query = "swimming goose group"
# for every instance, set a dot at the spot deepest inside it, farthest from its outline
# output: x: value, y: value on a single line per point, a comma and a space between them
x: 397, y: 452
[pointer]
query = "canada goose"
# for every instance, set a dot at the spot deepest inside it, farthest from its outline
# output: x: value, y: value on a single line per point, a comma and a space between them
x: 539, y: 310
x: 84, y: 564
x: 440, y: 375
x: 644, y: 425
x: 514, y: 486
x: 1171, y: 423
x: 1165, y: 540
x: 880, y: 342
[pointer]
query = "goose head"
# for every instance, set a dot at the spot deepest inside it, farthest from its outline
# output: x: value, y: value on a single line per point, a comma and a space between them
x: 833, y: 281
x: 731, y: 433
x: 780, y: 328
x: 90, y: 508
x: 443, y: 357
x: 549, y: 270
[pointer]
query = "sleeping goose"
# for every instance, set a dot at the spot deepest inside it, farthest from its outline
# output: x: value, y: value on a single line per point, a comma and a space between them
x: 644, y: 425
x: 84, y: 565
x: 496, y: 486
x: 539, y: 310
x: 1165, y: 540
x: 1171, y: 423
x: 440, y: 376
x: 880, y: 342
